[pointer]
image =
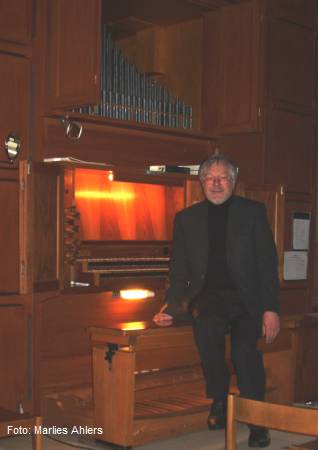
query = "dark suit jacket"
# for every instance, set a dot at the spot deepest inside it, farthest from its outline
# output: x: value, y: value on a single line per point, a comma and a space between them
x: 251, y: 257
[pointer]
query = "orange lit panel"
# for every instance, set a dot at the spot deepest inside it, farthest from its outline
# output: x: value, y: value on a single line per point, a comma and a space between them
x: 130, y: 326
x: 135, y: 294
x: 115, y: 210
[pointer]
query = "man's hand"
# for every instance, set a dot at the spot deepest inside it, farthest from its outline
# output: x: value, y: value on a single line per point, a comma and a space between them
x: 271, y: 326
x: 162, y: 319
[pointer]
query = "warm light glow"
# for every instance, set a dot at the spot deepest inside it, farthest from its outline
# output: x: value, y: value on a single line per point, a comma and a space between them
x: 103, y: 195
x: 136, y: 294
x: 133, y: 326
x: 124, y: 211
x: 110, y: 176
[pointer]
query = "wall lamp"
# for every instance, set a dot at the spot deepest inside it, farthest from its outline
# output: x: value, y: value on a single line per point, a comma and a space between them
x: 12, y: 146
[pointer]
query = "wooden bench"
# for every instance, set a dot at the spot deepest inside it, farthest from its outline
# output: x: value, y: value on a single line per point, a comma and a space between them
x: 164, y: 402
x: 148, y: 382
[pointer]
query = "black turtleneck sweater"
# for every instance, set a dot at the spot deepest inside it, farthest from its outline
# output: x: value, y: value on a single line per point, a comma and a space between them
x: 218, y: 276
x: 219, y: 292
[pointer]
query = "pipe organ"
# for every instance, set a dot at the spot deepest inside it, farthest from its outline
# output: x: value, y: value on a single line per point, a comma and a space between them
x: 128, y: 94
x: 118, y: 233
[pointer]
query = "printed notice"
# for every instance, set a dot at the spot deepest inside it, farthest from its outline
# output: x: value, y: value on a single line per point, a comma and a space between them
x: 295, y: 265
x: 301, y: 225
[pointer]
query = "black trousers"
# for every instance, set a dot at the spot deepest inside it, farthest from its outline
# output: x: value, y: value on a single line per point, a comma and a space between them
x: 209, y: 333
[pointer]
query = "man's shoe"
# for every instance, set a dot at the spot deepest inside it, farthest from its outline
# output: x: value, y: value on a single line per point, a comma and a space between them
x: 259, y: 437
x: 217, y: 416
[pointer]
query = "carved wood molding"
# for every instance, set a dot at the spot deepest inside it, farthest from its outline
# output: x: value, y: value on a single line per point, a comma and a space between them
x: 212, y: 4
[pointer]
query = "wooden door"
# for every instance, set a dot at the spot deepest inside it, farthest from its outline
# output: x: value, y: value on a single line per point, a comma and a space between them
x: 291, y: 64
x: 41, y: 225
x: 74, y: 40
x: 15, y: 97
x: 240, y: 68
x: 16, y: 21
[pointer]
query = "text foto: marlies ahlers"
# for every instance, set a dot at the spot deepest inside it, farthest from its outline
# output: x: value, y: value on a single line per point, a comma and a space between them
x: 39, y: 429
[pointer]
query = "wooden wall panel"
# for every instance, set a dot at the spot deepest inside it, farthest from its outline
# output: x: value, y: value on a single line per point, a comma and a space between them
x: 294, y: 298
x: 9, y: 234
x: 125, y: 144
x: 314, y: 292
x: 42, y: 222
x: 183, y: 64
x: 16, y: 21
x: 308, y: 389
x: 291, y: 63
x: 73, y: 66
x: 146, y: 49
x: 247, y: 150
x: 13, y: 354
x: 173, y: 56
x: 210, y: 97
x: 241, y: 67
x: 297, y: 11
x: 290, y: 150
x: 15, y: 101
x: 232, y: 85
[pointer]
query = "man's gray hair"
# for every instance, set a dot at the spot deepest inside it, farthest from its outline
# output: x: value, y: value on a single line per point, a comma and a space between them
x: 219, y: 159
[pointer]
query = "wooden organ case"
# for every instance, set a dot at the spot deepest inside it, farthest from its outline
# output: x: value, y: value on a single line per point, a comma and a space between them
x: 96, y: 230
x: 109, y: 229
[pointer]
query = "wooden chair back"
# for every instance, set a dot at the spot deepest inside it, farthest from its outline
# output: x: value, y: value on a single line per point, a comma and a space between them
x: 292, y: 419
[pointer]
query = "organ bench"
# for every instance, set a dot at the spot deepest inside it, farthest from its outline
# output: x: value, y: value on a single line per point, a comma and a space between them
x: 148, y: 384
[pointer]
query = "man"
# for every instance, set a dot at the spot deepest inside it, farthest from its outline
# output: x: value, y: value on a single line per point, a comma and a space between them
x: 224, y: 274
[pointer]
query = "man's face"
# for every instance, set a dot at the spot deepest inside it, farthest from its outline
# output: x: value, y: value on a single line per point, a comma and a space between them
x: 217, y: 183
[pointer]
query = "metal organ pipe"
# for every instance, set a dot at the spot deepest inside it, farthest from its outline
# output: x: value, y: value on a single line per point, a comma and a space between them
x: 127, y: 94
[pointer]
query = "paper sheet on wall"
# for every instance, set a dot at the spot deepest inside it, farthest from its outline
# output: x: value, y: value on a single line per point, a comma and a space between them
x: 295, y: 265
x: 301, y: 225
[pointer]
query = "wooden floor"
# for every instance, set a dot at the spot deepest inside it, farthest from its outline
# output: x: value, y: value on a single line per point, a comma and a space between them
x: 179, y: 403
x: 204, y: 440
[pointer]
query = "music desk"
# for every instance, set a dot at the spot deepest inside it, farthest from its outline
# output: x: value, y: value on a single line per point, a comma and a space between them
x: 148, y: 384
